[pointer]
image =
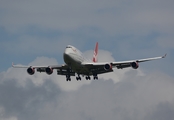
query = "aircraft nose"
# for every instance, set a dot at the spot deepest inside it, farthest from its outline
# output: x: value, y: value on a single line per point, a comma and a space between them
x: 66, y: 51
x: 67, y: 56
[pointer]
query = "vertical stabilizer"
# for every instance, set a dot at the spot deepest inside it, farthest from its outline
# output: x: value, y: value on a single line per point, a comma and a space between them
x: 95, y: 59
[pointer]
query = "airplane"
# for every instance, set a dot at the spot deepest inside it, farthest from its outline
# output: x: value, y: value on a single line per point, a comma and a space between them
x: 76, y: 64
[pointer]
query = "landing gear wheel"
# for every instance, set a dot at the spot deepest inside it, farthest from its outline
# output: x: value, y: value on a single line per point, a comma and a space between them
x: 68, y: 78
x: 88, y: 78
x: 78, y: 78
x: 95, y: 77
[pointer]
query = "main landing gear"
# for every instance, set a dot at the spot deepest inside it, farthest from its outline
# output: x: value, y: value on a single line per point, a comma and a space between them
x: 88, y: 78
x: 68, y: 78
x: 78, y: 78
x: 95, y: 77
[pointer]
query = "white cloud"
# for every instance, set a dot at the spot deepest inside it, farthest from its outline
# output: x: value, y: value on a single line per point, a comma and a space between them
x: 133, y: 98
x: 124, y: 94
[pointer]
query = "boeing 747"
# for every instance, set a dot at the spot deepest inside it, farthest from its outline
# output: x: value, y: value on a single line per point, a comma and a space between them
x: 77, y: 65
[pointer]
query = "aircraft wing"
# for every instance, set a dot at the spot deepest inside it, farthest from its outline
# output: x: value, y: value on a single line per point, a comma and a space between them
x: 131, y: 63
x: 104, y: 67
x: 61, y: 69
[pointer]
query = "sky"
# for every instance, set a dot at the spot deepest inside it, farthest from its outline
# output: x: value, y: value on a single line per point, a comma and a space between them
x: 36, y: 32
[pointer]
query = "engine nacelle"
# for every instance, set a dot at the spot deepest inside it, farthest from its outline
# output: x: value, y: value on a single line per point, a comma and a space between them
x: 134, y: 65
x: 49, y: 70
x: 108, y: 67
x: 30, y: 71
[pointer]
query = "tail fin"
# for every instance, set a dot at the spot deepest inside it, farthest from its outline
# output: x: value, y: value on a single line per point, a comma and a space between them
x: 95, y: 59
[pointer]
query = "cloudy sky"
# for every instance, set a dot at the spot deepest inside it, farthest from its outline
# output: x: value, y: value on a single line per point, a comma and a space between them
x: 36, y: 32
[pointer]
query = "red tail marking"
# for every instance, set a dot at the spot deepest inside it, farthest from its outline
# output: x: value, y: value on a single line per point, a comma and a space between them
x: 95, y: 53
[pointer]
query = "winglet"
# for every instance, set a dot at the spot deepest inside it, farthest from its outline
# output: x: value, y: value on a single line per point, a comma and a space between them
x: 164, y: 55
x: 95, y: 53
x: 12, y: 64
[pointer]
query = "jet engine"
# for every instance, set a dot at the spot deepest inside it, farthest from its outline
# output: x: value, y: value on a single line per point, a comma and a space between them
x: 49, y: 70
x: 108, y: 67
x: 134, y: 65
x: 30, y: 71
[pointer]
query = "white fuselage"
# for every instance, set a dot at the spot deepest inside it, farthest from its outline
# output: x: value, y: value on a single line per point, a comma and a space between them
x: 74, y: 58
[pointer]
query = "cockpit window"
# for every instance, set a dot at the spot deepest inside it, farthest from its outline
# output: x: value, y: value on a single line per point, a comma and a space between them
x: 68, y: 47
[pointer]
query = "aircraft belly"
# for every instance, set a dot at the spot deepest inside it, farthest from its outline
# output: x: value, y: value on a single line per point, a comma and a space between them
x: 80, y: 69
